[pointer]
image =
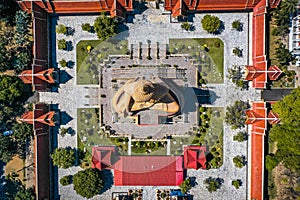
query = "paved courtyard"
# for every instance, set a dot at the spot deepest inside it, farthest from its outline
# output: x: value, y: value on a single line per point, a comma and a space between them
x: 153, y: 26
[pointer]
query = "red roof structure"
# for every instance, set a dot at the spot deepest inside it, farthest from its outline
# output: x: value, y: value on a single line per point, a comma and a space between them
x: 41, y: 148
x: 180, y: 7
x: 102, y: 157
x: 194, y: 157
x: 38, y: 77
x: 117, y: 8
x: 259, y: 72
x: 39, y: 116
x: 258, y: 117
x: 149, y: 171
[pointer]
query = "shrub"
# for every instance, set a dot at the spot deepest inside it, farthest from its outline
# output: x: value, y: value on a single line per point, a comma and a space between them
x: 239, y: 161
x: 202, y: 109
x: 66, y: 180
x: 217, y: 44
x: 211, y: 23
x: 240, y: 137
x: 236, y: 183
x: 236, y: 51
x: 62, y: 44
x: 185, y: 186
x: 61, y: 29
x: 186, y: 26
x: 86, y: 27
x: 63, y: 63
x: 236, y: 25
x: 212, y: 184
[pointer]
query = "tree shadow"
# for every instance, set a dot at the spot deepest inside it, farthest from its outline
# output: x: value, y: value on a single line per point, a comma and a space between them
x: 70, y: 31
x: 108, y: 180
x: 69, y: 46
x: 221, y: 29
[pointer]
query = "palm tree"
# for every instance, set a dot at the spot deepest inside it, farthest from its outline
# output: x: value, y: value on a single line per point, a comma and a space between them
x: 290, y: 6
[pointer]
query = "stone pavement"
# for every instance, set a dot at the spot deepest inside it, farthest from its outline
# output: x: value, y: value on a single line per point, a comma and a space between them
x: 154, y: 27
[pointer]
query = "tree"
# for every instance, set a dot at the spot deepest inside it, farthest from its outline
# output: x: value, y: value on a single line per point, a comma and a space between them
x: 22, y: 132
x: 289, y: 6
x: 288, y: 109
x: 5, y: 60
x: 63, y: 157
x: 236, y: 183
x: 239, y: 161
x: 285, y: 134
x: 240, y: 136
x: 213, y: 184
x: 6, y: 148
x: 235, y: 74
x: 66, y: 180
x: 86, y: 27
x: 271, y: 162
x: 10, y: 88
x: 185, y: 186
x: 61, y: 29
x: 236, y: 24
x: 283, y: 55
x: 62, y: 44
x: 88, y: 182
x: 25, y: 194
x: 211, y: 23
x: 236, y: 114
x: 105, y: 27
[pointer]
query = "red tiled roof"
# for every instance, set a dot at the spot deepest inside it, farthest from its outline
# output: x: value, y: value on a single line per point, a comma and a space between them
x: 179, y: 9
x: 80, y: 6
x: 38, y: 116
x: 258, y: 117
x: 274, y: 72
x: 148, y: 171
x: 217, y: 5
x: 30, y: 77
x: 194, y: 157
x: 102, y: 157
x: 257, y: 166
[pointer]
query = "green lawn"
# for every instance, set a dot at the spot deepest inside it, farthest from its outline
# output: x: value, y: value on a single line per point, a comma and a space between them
x: 208, y: 55
x: 88, y: 126
x: 88, y: 63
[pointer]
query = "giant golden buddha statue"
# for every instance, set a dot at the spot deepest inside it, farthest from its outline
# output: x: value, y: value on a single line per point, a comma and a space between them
x: 137, y: 94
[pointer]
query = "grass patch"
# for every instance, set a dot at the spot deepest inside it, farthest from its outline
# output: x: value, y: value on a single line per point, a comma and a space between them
x: 208, y: 55
x: 209, y: 133
x: 90, y: 134
x: 91, y: 53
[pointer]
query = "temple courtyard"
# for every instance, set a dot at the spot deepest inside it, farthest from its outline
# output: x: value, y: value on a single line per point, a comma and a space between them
x: 91, y: 91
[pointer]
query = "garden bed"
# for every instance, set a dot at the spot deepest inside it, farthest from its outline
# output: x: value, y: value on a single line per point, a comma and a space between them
x: 207, y: 53
x: 148, y: 148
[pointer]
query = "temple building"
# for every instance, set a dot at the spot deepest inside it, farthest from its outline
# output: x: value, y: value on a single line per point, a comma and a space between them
x: 138, y: 94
